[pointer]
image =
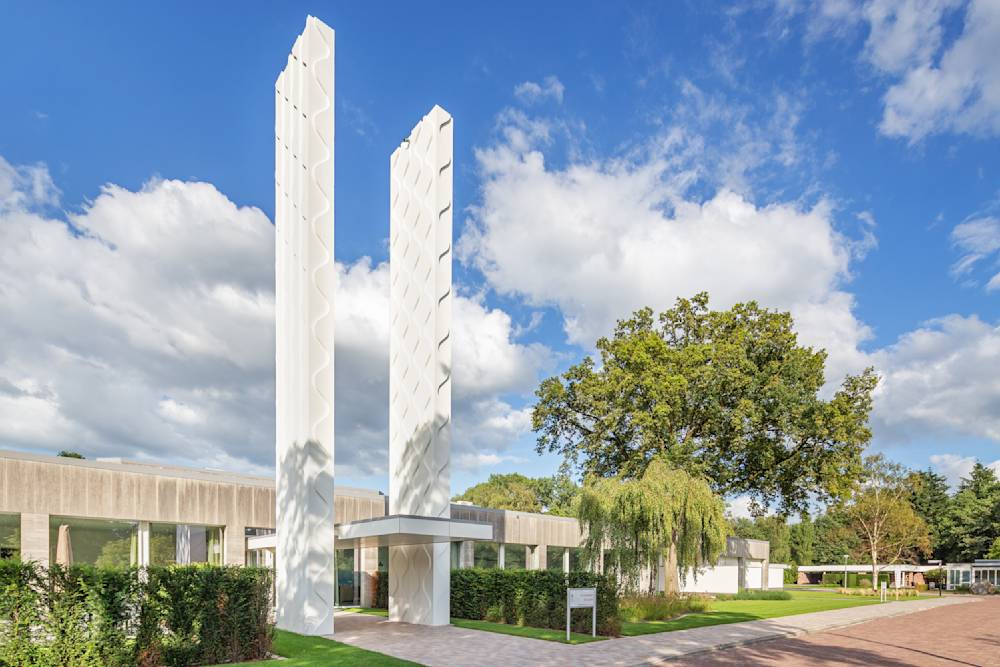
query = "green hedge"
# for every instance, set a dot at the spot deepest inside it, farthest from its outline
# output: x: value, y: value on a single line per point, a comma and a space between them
x: 535, y: 598
x: 84, y: 616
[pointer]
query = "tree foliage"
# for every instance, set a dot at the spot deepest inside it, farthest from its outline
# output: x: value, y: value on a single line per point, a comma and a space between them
x: 973, y: 517
x: 929, y: 497
x: 880, y: 513
x: 802, y: 541
x: 664, y: 513
x: 728, y: 395
x: 553, y: 495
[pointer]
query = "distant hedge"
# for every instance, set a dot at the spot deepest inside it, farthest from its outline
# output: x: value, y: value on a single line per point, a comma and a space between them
x: 535, y: 598
x: 84, y: 616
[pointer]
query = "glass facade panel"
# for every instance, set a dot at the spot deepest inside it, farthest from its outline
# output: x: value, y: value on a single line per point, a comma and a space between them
x: 486, y: 554
x: 576, y: 559
x: 93, y: 542
x: 515, y: 556
x: 348, y: 582
x: 554, y: 558
x: 456, y: 555
x: 184, y: 544
x: 10, y: 536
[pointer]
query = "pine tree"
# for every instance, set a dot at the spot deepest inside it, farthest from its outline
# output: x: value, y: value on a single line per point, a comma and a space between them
x: 973, y: 519
x: 929, y: 497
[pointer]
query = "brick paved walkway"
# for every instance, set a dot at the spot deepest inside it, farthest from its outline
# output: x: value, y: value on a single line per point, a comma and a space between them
x: 449, y: 646
x: 966, y: 634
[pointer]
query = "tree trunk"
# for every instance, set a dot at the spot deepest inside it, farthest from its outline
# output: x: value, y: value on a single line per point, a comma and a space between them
x: 875, y: 585
x: 671, y: 579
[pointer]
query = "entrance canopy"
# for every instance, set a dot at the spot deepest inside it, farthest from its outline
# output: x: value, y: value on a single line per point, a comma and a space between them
x: 394, y: 531
x: 398, y: 530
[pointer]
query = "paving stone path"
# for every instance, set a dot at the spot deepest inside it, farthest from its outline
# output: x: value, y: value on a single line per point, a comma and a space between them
x: 944, y: 637
x: 449, y: 646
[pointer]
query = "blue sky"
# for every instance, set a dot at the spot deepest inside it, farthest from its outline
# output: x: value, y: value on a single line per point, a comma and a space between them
x: 837, y: 159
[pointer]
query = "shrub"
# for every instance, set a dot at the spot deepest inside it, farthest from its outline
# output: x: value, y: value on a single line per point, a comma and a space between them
x: 84, y: 616
x: 534, y: 598
x: 790, y: 575
x: 638, y: 608
x: 380, y: 590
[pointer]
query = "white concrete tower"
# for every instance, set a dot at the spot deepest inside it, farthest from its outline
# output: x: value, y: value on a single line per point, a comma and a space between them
x: 304, y: 287
x: 420, y: 232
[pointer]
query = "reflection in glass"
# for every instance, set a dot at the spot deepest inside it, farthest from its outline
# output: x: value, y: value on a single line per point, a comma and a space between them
x: 515, y: 556
x: 184, y: 544
x: 93, y: 542
x: 554, y: 558
x: 486, y: 554
x: 10, y: 536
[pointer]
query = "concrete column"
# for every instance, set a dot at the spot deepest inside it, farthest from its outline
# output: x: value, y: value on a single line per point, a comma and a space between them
x: 143, y: 544
x: 466, y: 555
x: 367, y: 568
x: 765, y: 574
x: 565, y: 559
x: 35, y: 538
x: 235, y: 550
x: 501, y: 556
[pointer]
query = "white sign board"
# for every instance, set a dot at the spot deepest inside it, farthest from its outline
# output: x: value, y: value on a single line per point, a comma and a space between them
x: 581, y: 597
x: 578, y: 598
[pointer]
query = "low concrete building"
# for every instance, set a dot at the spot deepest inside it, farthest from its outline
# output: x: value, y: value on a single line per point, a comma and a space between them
x: 900, y: 575
x: 115, y: 512
x: 960, y: 575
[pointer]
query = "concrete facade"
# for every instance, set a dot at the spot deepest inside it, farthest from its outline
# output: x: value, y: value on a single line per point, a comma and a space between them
x: 420, y: 256
x: 305, y: 280
x: 39, y: 487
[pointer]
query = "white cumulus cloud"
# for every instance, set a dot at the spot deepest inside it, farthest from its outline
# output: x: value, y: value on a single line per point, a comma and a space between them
x: 142, y: 326
x: 530, y: 92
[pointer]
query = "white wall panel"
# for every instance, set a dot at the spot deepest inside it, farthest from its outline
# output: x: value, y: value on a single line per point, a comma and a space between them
x: 304, y: 287
x: 722, y: 578
x: 420, y: 256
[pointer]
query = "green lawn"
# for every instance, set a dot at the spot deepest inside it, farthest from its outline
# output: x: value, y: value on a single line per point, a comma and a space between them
x: 524, y: 631
x: 736, y: 611
x: 302, y: 651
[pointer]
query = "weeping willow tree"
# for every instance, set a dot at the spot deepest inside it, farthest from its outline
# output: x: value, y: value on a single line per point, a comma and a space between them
x: 665, y: 512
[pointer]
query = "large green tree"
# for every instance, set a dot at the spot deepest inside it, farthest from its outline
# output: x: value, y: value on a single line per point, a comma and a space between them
x: 929, y: 497
x: 888, y: 528
x: 973, y: 520
x: 834, y: 538
x: 514, y: 491
x: 663, y: 513
x: 730, y: 396
x: 802, y: 541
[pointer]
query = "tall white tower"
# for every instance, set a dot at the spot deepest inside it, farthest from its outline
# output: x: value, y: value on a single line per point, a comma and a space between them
x: 420, y: 254
x: 304, y: 286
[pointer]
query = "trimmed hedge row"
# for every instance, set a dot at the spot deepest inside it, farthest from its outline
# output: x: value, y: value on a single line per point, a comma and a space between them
x: 535, y: 598
x: 84, y: 616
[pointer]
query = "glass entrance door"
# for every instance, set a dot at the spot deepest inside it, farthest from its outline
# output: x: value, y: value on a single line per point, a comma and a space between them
x: 348, y: 582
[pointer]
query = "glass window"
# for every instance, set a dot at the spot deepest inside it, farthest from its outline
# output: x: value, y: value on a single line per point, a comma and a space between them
x: 456, y: 555
x: 966, y: 577
x: 576, y: 559
x: 515, y: 556
x: 93, y: 542
x: 383, y: 559
x: 486, y: 554
x: 184, y: 544
x: 348, y: 589
x: 554, y: 558
x: 10, y: 536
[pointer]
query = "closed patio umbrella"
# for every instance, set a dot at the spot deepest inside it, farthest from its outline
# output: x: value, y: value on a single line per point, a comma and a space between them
x: 64, y: 547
